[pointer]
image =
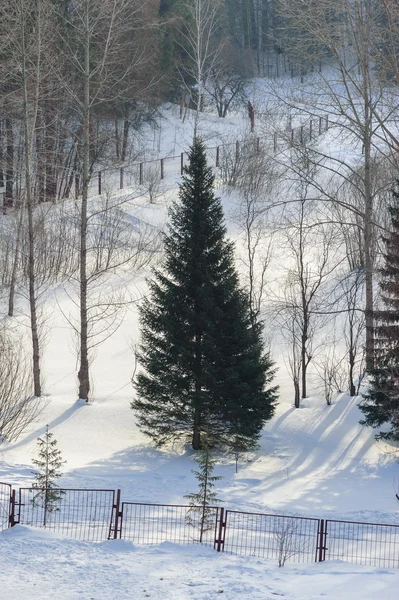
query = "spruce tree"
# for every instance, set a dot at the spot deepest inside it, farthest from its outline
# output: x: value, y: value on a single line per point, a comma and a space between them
x: 204, y: 367
x: 201, y: 513
x: 49, y: 463
x: 380, y: 404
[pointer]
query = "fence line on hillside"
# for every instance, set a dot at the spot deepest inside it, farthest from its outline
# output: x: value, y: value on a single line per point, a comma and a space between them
x: 95, y: 515
x: 144, y: 172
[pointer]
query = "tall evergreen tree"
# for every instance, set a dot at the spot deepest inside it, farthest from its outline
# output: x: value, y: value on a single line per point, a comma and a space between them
x: 381, y: 404
x: 204, y: 364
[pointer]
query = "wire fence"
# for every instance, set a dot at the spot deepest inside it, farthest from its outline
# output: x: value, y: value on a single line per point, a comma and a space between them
x: 83, y: 514
x: 156, y: 523
x: 5, y: 505
x: 151, y: 172
x: 281, y: 537
x: 95, y: 515
x: 371, y: 544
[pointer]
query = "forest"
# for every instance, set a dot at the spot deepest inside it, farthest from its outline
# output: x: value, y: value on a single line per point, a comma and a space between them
x: 83, y: 82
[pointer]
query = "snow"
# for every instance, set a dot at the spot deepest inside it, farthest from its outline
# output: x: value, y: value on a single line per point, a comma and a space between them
x: 37, y: 564
x: 313, y: 461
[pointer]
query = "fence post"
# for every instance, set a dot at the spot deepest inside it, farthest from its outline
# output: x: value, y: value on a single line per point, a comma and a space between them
x: 275, y: 142
x: 162, y: 169
x: 321, y: 542
x: 311, y: 130
x: 320, y: 124
x: 118, y: 514
x: 257, y: 144
x: 292, y: 136
x: 141, y: 174
x: 237, y: 150
x: 221, y: 533
x: 121, y: 179
x: 301, y: 138
x: 217, y: 156
x: 327, y: 123
x: 11, y: 520
x: 181, y: 163
x: 99, y: 183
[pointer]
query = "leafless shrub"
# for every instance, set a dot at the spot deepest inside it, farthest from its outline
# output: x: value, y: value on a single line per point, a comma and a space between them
x: 332, y: 372
x: 152, y: 181
x: 18, y: 407
x: 289, y: 538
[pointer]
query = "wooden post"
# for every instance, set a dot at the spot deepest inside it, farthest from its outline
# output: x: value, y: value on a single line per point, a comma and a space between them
x: 292, y: 136
x: 327, y: 123
x: 237, y: 150
x: 275, y: 142
x: 162, y: 169
x: 217, y: 156
x: 141, y: 174
x: 181, y: 163
x: 301, y: 138
x: 121, y: 179
x: 311, y: 129
x: 320, y: 125
x: 257, y: 144
x: 99, y: 183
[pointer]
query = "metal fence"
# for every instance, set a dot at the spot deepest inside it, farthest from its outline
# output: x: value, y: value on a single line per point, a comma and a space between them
x: 281, y: 537
x: 371, y: 544
x: 156, y: 523
x: 97, y: 515
x: 86, y: 515
x: 5, y: 505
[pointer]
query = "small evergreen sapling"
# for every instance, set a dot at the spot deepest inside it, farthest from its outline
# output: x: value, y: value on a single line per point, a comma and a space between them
x: 201, y: 515
x: 48, y: 463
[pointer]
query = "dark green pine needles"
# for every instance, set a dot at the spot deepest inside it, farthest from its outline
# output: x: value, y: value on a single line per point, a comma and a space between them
x: 204, y: 367
x: 380, y: 404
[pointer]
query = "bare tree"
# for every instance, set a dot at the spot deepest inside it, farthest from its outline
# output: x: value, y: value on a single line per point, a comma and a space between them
x: 200, y: 35
x: 18, y: 408
x: 228, y: 77
x: 345, y: 36
x: 94, y: 77
x: 303, y: 308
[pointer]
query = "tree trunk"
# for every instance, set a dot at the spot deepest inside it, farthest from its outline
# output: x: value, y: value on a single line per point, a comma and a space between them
x: 83, y: 374
x: 29, y: 201
x: 14, y: 272
x: 125, y: 140
x: 8, y: 197
x: 196, y: 442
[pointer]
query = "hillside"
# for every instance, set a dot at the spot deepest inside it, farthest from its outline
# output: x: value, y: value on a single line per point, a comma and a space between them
x: 314, y: 461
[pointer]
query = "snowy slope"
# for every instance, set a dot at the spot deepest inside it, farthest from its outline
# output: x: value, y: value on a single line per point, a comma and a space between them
x: 315, y: 461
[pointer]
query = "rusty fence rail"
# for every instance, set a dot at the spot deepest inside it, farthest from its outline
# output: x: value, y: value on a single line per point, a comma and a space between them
x: 95, y: 515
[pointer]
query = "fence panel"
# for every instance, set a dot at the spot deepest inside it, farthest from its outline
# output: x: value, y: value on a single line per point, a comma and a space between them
x: 5, y: 505
x: 370, y: 544
x: 156, y: 523
x: 285, y: 538
x: 82, y: 514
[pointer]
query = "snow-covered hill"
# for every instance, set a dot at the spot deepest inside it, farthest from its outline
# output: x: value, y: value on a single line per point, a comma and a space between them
x: 315, y: 461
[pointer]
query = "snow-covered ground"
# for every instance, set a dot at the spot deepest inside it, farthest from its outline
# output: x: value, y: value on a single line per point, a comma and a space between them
x: 38, y: 565
x: 314, y: 461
